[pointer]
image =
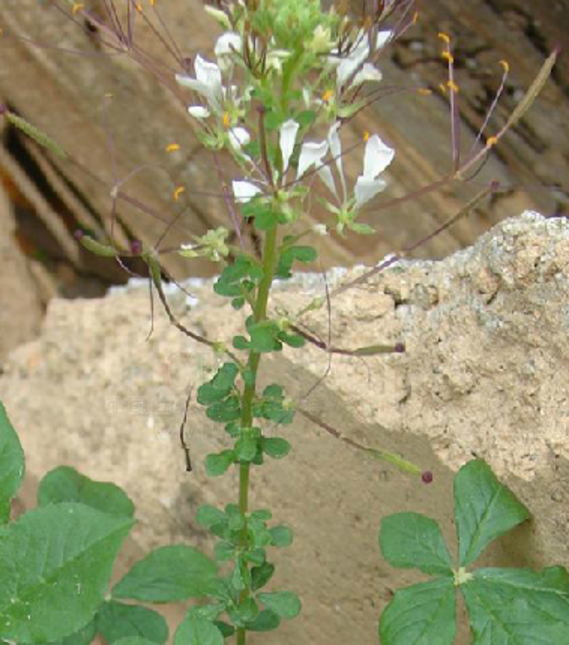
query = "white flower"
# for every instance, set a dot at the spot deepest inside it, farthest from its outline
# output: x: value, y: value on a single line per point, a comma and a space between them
x: 320, y: 229
x: 227, y: 43
x: 198, y: 111
x: 348, y: 65
x: 244, y: 191
x: 377, y: 157
x: 207, y: 82
x: 311, y: 154
x: 239, y: 137
x: 287, y: 140
x: 275, y: 59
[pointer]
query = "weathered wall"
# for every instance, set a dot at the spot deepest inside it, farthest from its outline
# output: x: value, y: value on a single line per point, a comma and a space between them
x: 485, y: 374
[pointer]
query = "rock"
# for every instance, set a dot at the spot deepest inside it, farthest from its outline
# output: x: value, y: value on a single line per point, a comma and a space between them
x: 21, y: 306
x: 484, y: 374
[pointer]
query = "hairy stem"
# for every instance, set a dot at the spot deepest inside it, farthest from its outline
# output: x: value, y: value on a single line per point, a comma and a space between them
x: 259, y: 313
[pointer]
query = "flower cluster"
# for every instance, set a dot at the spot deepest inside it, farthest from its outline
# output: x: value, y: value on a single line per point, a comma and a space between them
x: 299, y: 68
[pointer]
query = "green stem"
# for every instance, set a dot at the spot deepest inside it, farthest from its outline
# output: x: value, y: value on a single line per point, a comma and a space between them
x: 259, y: 313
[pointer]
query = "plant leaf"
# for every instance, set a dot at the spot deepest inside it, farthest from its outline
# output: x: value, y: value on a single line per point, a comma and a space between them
x: 168, y: 574
x: 84, y: 636
x: 133, y: 640
x: 11, y: 464
x: 281, y: 535
x: 65, y: 484
x: 55, y: 564
x: 410, y: 540
x: 518, y: 606
x: 484, y: 509
x: 422, y: 614
x: 266, y: 621
x: 285, y: 604
x: 117, y: 620
x: 195, y: 630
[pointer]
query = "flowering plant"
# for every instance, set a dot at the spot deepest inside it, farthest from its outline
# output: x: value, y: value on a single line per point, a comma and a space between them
x: 286, y: 78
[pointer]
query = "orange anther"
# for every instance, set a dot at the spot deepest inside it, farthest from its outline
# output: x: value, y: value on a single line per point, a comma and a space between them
x: 491, y: 141
x: 328, y: 96
x: 366, y: 135
x: 415, y: 17
x: 442, y: 88
x: 226, y: 119
x: 425, y: 91
x: 444, y: 37
x: 505, y: 65
x: 77, y: 6
x: 173, y: 147
x: 178, y: 192
x: 138, y: 7
x: 448, y: 56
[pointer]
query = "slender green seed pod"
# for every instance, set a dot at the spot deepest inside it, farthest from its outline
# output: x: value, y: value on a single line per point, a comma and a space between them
x: 97, y: 248
x: 36, y: 134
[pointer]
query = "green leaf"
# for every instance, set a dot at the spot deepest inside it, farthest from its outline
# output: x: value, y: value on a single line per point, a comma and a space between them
x: 266, y: 621
x: 65, y: 484
x: 208, y: 394
x: 275, y: 447
x: 518, y: 606
x: 484, y: 509
x: 84, y: 636
x: 281, y: 536
x: 261, y: 575
x: 55, y: 564
x: 225, y: 411
x: 11, y: 464
x: 133, y: 640
x: 116, y: 620
x: 223, y: 551
x: 168, y: 574
x: 218, y: 464
x: 246, y: 446
x: 195, y: 630
x: 305, y: 254
x: 240, y: 342
x: 410, y: 540
x: 285, y: 604
x: 209, y: 515
x: 422, y: 614
x: 264, y: 337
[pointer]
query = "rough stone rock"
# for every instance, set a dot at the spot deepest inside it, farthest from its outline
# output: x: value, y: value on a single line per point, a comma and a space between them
x: 484, y: 374
x: 21, y: 306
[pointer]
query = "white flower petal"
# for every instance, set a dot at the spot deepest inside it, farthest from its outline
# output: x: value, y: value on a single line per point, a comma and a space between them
x: 320, y: 229
x: 311, y: 154
x: 383, y: 37
x: 198, y: 111
x: 336, y: 146
x: 367, y: 189
x: 287, y: 141
x: 227, y: 43
x: 239, y: 137
x: 377, y: 157
x: 244, y: 191
x: 349, y: 64
x: 328, y: 178
x: 368, y: 73
x: 207, y: 81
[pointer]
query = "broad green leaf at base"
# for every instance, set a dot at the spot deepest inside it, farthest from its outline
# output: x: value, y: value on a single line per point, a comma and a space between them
x: 65, y: 484
x: 518, y: 606
x: 168, y: 574
x: 55, y: 564
x: 195, y: 630
x: 422, y: 614
x: 410, y: 540
x: 484, y: 509
x: 117, y: 620
x: 11, y: 464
